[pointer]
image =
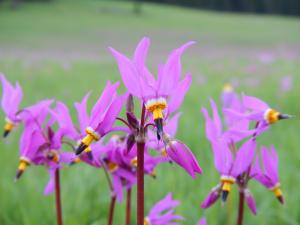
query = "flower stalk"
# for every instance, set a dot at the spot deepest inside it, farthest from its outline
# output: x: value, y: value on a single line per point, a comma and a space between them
x: 241, y: 208
x: 128, y: 207
x: 111, y: 209
x: 57, y: 198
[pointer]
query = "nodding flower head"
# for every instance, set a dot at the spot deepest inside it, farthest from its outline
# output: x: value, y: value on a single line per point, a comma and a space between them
x: 11, y: 99
x: 103, y: 116
x: 268, y: 175
x: 260, y: 112
x: 155, y: 93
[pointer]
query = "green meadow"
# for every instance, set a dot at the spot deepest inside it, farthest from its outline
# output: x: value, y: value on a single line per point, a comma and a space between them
x: 59, y: 50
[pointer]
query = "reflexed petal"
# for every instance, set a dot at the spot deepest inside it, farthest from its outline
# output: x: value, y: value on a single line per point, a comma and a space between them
x: 250, y: 201
x: 83, y: 117
x: 254, y: 103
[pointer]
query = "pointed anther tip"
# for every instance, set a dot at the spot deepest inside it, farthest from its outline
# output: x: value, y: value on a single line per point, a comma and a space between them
x: 281, y: 199
x: 6, y: 133
x: 224, y: 196
x: 285, y: 116
x: 80, y: 148
x: 18, y: 175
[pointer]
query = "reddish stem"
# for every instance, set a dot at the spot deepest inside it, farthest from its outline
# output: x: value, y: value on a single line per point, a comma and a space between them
x: 58, y: 199
x: 111, y: 210
x: 241, y: 208
x: 140, y: 184
x: 128, y: 207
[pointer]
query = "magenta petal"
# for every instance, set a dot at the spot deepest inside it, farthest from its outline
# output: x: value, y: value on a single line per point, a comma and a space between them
x: 250, y: 201
x: 7, y: 92
x: 129, y: 73
x: 244, y: 157
x: 170, y: 75
x: 111, y: 114
x: 98, y: 110
x: 212, y: 197
x: 254, y: 103
x: 178, y: 94
x: 141, y: 52
x: 83, y: 117
x: 117, y: 186
x: 51, y: 183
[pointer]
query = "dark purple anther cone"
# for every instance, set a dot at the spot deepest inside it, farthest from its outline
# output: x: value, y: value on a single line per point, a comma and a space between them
x: 6, y: 133
x: 159, y: 127
x: 80, y: 148
x: 19, y: 174
x: 224, y: 195
x: 281, y: 199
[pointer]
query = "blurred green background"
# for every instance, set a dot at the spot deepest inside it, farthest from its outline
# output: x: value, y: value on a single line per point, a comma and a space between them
x: 58, y: 49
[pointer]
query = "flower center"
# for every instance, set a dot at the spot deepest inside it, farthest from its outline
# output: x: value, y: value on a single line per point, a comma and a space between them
x: 53, y: 155
x: 271, y: 116
x: 134, y: 162
x: 227, y: 182
x: 112, y: 167
x: 24, y: 163
x: 277, y: 191
x: 156, y: 106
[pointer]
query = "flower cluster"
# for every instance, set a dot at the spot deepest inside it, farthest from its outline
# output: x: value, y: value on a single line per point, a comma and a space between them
x: 237, y: 156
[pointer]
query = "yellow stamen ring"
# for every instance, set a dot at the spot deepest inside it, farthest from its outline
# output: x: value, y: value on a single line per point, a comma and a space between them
x: 9, y: 125
x: 112, y: 167
x: 271, y: 116
x: 227, y: 182
x: 90, y: 137
x: 277, y: 191
x: 24, y: 163
x: 156, y: 106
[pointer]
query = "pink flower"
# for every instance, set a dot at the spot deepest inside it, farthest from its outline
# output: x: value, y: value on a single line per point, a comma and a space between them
x: 164, y: 93
x: 11, y: 99
x: 268, y: 175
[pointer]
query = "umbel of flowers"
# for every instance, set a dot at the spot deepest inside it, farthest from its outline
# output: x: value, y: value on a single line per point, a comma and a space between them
x: 240, y: 165
x: 147, y: 137
x: 48, y: 130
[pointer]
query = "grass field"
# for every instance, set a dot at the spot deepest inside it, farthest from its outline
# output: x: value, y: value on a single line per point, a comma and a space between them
x: 59, y: 50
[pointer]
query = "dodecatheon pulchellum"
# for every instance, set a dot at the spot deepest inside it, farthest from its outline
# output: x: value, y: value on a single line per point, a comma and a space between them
x: 103, y: 115
x: 173, y: 149
x: 32, y: 143
x: 267, y: 174
x: 154, y: 93
x: 228, y: 95
x: 162, y: 213
x: 11, y: 99
x: 260, y: 112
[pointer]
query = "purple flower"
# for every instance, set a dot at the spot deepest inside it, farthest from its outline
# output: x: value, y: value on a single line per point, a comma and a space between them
x: 212, y: 197
x: 268, y: 175
x: 103, y: 115
x: 11, y: 99
x: 162, y: 213
x: 155, y: 93
x: 259, y: 112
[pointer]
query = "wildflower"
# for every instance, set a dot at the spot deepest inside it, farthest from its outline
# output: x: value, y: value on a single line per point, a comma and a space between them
x: 31, y: 142
x: 268, y: 175
x: 11, y: 99
x: 260, y: 112
x: 103, y: 116
x: 155, y: 94
x: 162, y: 213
